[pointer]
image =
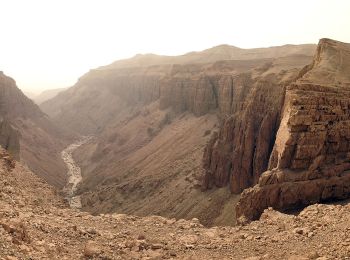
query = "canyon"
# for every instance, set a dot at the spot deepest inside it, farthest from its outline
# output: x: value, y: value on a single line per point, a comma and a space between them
x: 183, y: 156
x: 153, y: 116
x: 29, y: 135
x: 233, y: 115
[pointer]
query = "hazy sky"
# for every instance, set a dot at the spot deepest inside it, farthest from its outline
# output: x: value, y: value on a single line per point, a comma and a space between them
x: 50, y: 43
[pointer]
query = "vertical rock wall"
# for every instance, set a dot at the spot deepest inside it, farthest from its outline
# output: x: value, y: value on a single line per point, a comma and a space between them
x: 239, y: 153
x: 310, y: 161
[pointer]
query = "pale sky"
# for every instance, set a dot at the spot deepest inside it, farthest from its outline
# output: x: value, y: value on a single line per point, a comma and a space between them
x: 48, y: 44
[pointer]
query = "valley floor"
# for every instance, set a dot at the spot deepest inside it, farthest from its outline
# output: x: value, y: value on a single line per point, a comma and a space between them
x: 35, y: 223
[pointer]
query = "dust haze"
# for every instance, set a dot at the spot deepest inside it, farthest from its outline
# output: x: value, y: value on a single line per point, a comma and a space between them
x: 175, y: 130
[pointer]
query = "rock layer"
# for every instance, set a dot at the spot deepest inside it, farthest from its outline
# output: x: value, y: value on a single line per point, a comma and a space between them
x: 152, y: 119
x: 310, y: 161
x: 239, y: 153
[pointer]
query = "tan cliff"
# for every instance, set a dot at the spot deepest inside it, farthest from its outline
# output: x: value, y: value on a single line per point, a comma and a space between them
x: 151, y: 125
x: 184, y: 83
x: 310, y: 161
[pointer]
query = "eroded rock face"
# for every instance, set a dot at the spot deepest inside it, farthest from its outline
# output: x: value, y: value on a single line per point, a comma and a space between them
x: 310, y: 161
x: 136, y: 111
x: 239, y: 153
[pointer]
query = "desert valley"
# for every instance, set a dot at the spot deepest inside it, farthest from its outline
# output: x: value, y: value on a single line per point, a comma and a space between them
x: 226, y: 153
x: 175, y: 130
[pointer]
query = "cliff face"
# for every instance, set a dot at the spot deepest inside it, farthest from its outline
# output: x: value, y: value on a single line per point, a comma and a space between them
x: 101, y: 96
x: 239, y: 153
x: 152, y: 118
x: 310, y: 161
x: 28, y: 134
x: 184, y: 83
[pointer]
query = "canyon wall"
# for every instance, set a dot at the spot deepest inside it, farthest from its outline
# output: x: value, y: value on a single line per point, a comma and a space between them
x: 152, y: 123
x: 184, y: 83
x: 238, y: 154
x: 28, y: 134
x: 310, y: 160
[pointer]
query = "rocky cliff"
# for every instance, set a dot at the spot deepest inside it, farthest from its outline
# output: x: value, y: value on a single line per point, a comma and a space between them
x: 310, y: 160
x: 152, y: 117
x: 239, y: 153
x: 185, y: 83
x: 250, y: 107
x: 28, y: 134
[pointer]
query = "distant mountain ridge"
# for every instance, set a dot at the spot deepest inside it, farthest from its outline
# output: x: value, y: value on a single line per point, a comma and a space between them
x: 220, y: 52
x: 46, y: 95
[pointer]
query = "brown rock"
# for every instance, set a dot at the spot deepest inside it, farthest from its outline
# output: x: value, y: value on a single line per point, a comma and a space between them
x: 91, y: 249
x: 240, y: 152
x: 17, y: 230
x: 309, y: 157
x: 156, y: 246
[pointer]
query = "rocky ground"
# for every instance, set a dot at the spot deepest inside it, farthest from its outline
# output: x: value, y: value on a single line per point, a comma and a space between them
x: 35, y: 223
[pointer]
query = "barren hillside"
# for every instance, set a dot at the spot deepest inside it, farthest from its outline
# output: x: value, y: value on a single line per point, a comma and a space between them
x: 151, y: 125
x: 35, y: 223
x: 29, y: 134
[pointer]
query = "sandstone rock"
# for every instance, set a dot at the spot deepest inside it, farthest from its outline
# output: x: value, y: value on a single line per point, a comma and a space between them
x: 240, y: 152
x: 91, y: 249
x: 156, y: 246
x: 309, y: 161
x: 11, y: 257
x: 141, y: 237
x: 17, y: 230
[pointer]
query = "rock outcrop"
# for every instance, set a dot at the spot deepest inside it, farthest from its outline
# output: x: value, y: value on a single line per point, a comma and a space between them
x: 35, y: 223
x: 29, y: 135
x: 310, y: 161
x: 239, y: 153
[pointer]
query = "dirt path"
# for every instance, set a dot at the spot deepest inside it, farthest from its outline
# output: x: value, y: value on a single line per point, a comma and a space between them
x: 74, y: 172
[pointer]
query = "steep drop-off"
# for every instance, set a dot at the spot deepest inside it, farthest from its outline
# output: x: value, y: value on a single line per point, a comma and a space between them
x: 310, y: 160
x: 181, y: 82
x: 29, y: 135
x: 152, y: 124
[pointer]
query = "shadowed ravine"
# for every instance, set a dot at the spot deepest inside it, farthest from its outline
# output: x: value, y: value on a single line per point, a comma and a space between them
x: 74, y: 173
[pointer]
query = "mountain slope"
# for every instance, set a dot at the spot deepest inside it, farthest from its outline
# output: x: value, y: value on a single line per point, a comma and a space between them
x: 35, y: 223
x: 46, y: 95
x: 29, y: 134
x: 151, y: 125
